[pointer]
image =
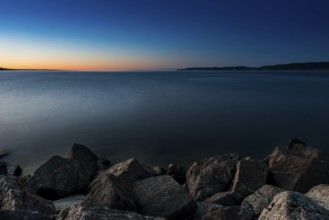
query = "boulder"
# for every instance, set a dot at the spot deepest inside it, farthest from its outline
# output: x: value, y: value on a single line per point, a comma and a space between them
x: 293, y: 205
x: 260, y: 199
x: 87, y: 158
x: 112, y: 191
x: 211, y: 175
x: 320, y: 195
x: 163, y: 196
x: 243, y: 212
x: 12, y: 197
x: 229, y: 198
x: 203, y: 209
x: 297, y: 168
x: 67, y: 202
x: 249, y: 177
x: 99, y: 212
x: 130, y: 170
x: 59, y: 177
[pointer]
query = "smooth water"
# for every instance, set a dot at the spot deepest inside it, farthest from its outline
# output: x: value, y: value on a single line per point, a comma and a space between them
x: 160, y: 117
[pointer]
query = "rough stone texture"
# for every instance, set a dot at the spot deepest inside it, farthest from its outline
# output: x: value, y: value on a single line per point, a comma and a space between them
x: 229, y: 198
x: 298, y: 168
x: 12, y: 197
x: 67, y: 202
x: 293, y: 206
x: 261, y: 199
x: 243, y: 212
x: 83, y: 212
x: 203, y: 209
x: 59, y: 177
x: 249, y: 177
x: 112, y: 191
x: 130, y: 170
x: 211, y: 175
x: 24, y: 215
x: 87, y: 158
x: 320, y: 195
x: 163, y: 196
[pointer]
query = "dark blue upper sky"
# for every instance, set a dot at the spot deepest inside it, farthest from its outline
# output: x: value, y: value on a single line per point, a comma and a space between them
x: 148, y: 34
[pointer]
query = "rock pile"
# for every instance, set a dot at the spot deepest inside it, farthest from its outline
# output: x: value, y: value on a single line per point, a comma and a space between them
x: 288, y: 184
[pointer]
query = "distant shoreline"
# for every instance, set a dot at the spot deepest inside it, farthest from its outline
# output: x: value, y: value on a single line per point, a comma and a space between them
x: 290, y: 66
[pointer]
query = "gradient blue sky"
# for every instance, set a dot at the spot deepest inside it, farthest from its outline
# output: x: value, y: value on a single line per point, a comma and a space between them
x: 151, y: 34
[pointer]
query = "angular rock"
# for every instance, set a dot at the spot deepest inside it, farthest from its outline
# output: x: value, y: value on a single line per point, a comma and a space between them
x: 203, y: 209
x: 130, y: 170
x: 112, y: 191
x: 320, y: 195
x: 293, y: 205
x: 243, y: 212
x: 14, y: 198
x: 262, y: 198
x: 229, y: 198
x: 59, y: 177
x: 298, y: 168
x: 87, y: 158
x: 211, y: 175
x: 99, y: 212
x: 249, y: 177
x: 67, y: 202
x: 163, y: 196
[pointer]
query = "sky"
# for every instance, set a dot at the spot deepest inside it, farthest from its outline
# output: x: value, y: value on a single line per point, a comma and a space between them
x: 161, y: 34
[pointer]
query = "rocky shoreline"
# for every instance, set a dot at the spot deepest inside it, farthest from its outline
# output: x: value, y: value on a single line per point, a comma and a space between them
x: 290, y: 183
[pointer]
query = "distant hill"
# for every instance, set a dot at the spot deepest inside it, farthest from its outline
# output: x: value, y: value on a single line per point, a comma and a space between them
x: 3, y: 68
x: 289, y: 66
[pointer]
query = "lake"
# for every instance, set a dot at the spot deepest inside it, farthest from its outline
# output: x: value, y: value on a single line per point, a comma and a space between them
x: 160, y: 117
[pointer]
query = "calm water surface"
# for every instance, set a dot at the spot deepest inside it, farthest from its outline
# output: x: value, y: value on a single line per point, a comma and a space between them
x: 160, y: 117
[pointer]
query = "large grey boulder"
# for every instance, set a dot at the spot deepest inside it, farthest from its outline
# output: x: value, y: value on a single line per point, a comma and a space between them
x: 99, y: 212
x: 13, y: 198
x: 211, y: 175
x: 298, y: 167
x: 293, y: 206
x: 59, y: 177
x: 130, y: 170
x: 320, y: 195
x: 228, y: 198
x: 112, y: 191
x: 243, y: 212
x: 262, y: 198
x: 87, y: 158
x: 163, y: 196
x: 249, y: 177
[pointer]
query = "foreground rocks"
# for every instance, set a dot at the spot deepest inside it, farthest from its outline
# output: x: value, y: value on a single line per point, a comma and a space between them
x: 211, y: 175
x: 293, y: 205
x: 16, y: 202
x: 84, y: 212
x: 163, y: 196
x: 85, y: 186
